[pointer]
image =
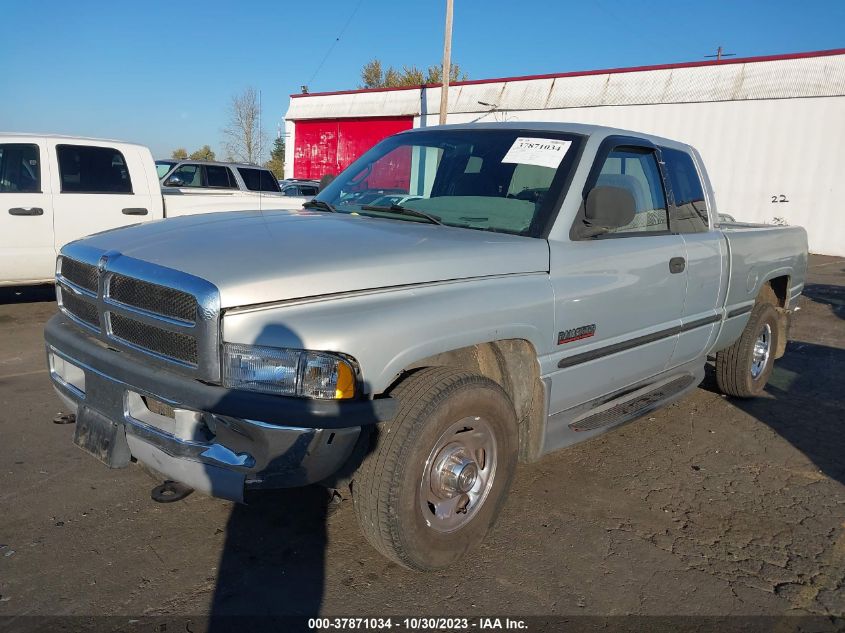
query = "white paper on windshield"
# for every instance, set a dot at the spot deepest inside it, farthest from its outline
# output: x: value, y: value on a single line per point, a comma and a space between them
x: 545, y: 152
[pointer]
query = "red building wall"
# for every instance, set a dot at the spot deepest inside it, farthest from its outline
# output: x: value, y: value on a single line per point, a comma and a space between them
x: 326, y: 146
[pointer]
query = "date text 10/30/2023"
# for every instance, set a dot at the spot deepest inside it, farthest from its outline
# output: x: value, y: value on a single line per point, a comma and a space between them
x: 417, y: 624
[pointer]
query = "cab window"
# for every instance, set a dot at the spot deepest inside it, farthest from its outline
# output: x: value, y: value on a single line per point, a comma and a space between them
x: 219, y: 177
x: 259, y: 179
x: 637, y: 172
x: 189, y: 175
x: 90, y: 169
x: 20, y: 168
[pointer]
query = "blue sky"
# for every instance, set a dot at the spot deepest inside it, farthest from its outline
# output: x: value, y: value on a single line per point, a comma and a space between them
x: 163, y: 73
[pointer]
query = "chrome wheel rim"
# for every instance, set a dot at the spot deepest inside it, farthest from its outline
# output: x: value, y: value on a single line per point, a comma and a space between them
x: 458, y: 474
x: 762, y: 349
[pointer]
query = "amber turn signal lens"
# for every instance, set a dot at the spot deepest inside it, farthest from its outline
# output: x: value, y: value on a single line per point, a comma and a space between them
x: 345, y: 382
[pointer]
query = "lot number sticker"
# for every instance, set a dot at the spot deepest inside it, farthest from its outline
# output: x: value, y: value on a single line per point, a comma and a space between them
x: 545, y: 152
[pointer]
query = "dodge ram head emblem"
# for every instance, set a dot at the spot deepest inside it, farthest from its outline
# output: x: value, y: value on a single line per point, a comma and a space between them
x: 101, y: 264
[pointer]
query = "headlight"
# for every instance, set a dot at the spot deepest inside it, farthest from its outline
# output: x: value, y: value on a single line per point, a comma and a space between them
x: 287, y: 372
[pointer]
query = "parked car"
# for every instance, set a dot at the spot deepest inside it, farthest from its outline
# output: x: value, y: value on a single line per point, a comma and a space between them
x: 540, y: 284
x: 56, y: 189
x: 300, y: 188
x: 193, y: 186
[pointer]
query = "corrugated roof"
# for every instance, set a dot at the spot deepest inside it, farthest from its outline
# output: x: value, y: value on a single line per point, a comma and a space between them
x: 812, y: 74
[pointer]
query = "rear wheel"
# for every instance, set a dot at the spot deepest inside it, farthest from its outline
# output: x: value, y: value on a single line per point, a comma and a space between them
x: 440, y: 470
x: 743, y: 369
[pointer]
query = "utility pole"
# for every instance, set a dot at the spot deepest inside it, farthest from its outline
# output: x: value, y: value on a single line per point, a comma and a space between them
x: 447, y: 64
x: 720, y: 54
x: 259, y: 126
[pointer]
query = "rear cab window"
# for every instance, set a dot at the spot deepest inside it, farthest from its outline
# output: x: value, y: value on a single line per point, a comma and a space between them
x: 92, y: 169
x: 688, y: 212
x: 20, y: 168
x: 259, y: 179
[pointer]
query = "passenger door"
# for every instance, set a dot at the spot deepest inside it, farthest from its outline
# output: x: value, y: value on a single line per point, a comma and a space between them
x: 619, y: 295
x: 27, y: 253
x: 95, y: 190
x: 706, y: 255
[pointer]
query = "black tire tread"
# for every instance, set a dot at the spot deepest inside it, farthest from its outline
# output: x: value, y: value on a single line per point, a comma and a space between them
x: 730, y: 362
x: 374, y: 490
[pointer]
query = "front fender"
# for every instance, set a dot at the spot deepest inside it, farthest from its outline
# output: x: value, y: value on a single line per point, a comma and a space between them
x: 387, y: 331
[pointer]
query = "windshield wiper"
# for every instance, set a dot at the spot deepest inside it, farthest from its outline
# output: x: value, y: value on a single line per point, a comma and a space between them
x: 400, y: 210
x: 319, y: 204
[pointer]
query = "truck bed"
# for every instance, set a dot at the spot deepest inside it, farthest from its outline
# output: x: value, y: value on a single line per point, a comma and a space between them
x: 760, y: 252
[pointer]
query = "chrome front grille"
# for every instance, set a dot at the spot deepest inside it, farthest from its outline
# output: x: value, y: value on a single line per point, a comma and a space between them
x: 153, y: 298
x: 170, y: 317
x: 175, y: 345
x: 83, y: 309
x: 83, y: 275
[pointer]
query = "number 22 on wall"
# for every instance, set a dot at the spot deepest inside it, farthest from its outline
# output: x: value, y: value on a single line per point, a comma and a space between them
x: 779, y: 198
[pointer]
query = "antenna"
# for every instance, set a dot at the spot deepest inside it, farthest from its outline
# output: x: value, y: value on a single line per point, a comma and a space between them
x: 720, y: 54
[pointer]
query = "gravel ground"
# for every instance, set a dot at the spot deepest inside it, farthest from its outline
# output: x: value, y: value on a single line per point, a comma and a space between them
x: 710, y: 507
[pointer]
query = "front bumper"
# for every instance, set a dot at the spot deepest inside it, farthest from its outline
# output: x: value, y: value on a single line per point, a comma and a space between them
x: 216, y: 440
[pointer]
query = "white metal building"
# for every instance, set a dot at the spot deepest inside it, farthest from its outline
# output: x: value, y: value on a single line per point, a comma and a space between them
x: 769, y: 128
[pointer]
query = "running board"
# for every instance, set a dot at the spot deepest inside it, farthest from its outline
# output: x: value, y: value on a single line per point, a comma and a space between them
x: 631, y: 405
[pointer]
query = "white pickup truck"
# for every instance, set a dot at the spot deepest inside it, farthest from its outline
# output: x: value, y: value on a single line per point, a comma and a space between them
x: 56, y: 189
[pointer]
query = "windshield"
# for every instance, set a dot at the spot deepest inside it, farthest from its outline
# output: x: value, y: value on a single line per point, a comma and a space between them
x: 162, y: 167
x: 496, y: 180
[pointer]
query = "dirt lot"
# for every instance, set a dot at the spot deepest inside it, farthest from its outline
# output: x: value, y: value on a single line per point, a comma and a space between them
x: 711, y: 507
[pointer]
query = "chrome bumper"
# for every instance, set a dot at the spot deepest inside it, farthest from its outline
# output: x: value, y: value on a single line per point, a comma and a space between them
x: 217, y: 454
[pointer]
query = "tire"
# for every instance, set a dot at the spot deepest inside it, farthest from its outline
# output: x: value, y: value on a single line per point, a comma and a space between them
x: 739, y: 372
x: 403, y: 493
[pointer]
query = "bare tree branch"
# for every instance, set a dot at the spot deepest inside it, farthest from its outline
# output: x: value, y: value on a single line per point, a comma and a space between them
x: 244, y: 141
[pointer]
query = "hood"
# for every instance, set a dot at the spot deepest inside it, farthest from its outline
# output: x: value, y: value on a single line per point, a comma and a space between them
x: 261, y: 256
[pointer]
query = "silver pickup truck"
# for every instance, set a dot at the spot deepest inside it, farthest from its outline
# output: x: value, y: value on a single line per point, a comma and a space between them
x: 460, y: 298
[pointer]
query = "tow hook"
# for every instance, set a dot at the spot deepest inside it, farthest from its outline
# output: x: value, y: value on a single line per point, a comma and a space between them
x: 170, y: 491
x: 65, y: 418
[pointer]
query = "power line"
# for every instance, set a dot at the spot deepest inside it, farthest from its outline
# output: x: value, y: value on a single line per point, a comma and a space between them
x: 331, y: 48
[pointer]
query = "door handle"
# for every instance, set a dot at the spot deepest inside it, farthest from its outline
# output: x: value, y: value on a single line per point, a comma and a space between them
x: 135, y: 211
x: 26, y: 211
x: 677, y: 265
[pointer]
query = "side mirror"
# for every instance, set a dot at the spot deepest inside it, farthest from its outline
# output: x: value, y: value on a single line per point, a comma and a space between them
x: 174, y: 181
x: 609, y: 208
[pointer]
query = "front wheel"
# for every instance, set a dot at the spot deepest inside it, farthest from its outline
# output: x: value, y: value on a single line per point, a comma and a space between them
x: 439, y: 472
x: 743, y: 369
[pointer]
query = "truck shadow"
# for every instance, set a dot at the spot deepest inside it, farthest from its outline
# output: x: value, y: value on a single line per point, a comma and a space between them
x: 805, y: 403
x: 273, y: 559
x: 27, y: 294
x: 271, y: 574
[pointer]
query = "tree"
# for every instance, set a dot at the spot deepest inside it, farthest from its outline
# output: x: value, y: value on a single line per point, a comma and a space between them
x: 244, y: 139
x: 435, y: 74
x: 203, y: 153
x: 373, y: 75
x: 276, y: 164
x: 179, y: 154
